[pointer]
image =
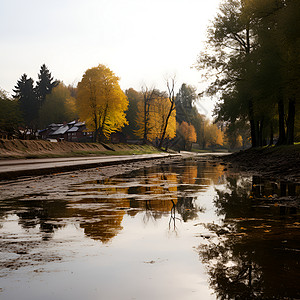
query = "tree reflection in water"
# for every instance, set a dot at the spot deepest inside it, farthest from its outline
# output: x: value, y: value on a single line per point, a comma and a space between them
x: 99, y: 206
x: 255, y: 252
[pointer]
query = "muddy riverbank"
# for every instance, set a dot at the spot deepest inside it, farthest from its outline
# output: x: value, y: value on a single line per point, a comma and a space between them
x: 272, y: 162
x: 49, y: 183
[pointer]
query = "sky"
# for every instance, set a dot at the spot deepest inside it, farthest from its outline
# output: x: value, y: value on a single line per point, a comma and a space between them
x: 143, y: 42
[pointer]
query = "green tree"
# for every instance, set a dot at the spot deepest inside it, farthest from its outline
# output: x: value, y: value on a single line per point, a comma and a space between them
x: 232, y: 38
x: 45, y: 84
x: 27, y: 99
x: 185, y: 103
x: 10, y: 114
x: 134, y: 98
x: 255, y: 64
x: 58, y: 107
x: 101, y: 102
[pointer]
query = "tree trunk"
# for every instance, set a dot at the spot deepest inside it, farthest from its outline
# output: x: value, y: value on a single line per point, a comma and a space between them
x: 172, y: 107
x: 252, y: 125
x: 291, y: 122
x: 145, y: 121
x: 260, y: 133
x: 271, y: 135
x: 282, y: 137
x: 166, y: 125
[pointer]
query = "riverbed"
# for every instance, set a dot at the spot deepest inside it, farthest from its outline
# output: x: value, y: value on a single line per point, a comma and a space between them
x: 184, y: 229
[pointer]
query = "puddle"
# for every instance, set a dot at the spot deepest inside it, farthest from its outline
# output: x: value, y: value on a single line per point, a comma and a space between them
x: 191, y: 230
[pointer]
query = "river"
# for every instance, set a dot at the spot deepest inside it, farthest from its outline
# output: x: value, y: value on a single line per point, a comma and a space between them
x: 194, y: 229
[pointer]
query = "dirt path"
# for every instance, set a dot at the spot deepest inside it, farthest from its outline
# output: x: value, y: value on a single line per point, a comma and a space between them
x: 10, y: 169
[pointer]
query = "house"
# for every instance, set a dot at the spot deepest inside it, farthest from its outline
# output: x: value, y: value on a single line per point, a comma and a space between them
x: 78, y: 133
x: 74, y: 131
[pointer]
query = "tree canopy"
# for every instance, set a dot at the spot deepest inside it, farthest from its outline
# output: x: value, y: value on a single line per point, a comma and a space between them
x: 101, y: 102
x: 59, y: 106
x: 45, y: 84
x: 254, y: 66
x: 10, y: 114
x: 26, y: 96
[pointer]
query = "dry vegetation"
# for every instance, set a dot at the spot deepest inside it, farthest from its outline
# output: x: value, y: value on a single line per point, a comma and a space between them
x: 11, y: 149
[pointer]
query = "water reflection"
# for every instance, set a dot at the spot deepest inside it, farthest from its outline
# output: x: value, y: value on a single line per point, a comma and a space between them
x: 99, y: 206
x: 255, y: 252
x: 154, y: 192
x: 247, y: 228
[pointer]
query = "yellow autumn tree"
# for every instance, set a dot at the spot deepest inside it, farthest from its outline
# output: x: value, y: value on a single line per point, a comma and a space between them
x: 156, y: 118
x: 160, y: 110
x: 188, y: 134
x: 213, y: 135
x: 100, y: 102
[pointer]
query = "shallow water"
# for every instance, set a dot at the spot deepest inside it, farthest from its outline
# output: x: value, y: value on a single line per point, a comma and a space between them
x: 191, y: 230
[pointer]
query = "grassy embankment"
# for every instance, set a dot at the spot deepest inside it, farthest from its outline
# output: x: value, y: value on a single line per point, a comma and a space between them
x: 16, y: 149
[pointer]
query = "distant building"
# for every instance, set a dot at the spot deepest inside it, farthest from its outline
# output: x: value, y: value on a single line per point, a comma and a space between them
x: 74, y: 131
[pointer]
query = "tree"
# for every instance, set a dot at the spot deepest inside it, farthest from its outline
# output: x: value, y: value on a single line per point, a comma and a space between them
x: 45, y: 84
x: 232, y: 39
x: 101, y: 102
x: 188, y: 135
x: 289, y: 42
x: 27, y: 99
x: 255, y: 64
x: 134, y: 98
x: 59, y: 106
x: 160, y: 113
x: 172, y: 107
x: 185, y: 103
x: 153, y: 111
x: 143, y: 118
x: 212, y: 135
x: 10, y: 114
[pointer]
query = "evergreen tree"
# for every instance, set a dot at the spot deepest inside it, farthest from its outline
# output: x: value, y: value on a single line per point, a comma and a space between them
x: 185, y: 100
x: 26, y: 96
x: 45, y: 84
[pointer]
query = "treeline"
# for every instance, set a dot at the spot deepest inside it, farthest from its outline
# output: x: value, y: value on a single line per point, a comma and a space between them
x: 35, y: 105
x: 253, y: 62
x: 150, y: 115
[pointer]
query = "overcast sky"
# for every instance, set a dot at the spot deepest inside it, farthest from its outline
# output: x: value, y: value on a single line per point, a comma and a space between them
x: 142, y: 41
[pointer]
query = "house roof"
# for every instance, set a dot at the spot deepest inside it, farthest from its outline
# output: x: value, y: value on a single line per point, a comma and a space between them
x: 79, y: 124
x: 61, y: 130
x: 73, y: 129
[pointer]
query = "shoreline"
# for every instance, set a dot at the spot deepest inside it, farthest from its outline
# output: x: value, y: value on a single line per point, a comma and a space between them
x: 281, y: 162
